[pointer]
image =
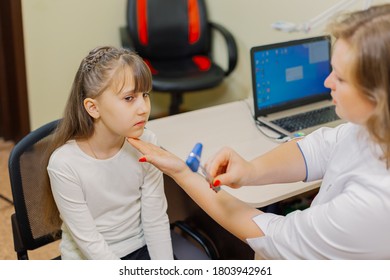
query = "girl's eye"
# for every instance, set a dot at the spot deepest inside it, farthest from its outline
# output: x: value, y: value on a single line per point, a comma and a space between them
x: 146, y: 94
x: 129, y: 98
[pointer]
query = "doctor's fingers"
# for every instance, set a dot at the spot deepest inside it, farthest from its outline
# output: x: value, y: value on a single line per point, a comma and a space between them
x: 145, y: 148
x: 218, y: 164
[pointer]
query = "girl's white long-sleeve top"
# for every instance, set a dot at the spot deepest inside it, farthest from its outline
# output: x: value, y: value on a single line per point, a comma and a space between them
x: 350, y: 216
x: 109, y: 207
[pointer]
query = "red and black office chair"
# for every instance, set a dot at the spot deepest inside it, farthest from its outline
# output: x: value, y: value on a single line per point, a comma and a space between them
x: 175, y: 38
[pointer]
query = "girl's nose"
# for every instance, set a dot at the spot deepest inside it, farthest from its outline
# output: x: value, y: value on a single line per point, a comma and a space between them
x: 143, y: 106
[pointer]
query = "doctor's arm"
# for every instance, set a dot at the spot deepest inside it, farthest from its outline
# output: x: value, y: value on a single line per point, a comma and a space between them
x: 284, y: 164
x: 231, y: 213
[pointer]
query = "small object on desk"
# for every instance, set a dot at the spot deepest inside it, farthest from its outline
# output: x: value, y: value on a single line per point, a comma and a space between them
x: 299, y: 134
x: 193, y: 162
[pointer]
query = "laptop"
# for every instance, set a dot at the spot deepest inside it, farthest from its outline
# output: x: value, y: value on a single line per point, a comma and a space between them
x: 288, y: 86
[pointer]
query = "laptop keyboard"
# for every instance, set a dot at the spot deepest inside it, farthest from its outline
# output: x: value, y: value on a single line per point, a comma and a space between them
x: 307, y: 119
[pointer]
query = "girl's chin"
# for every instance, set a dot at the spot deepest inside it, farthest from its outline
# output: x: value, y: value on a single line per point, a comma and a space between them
x: 135, y: 134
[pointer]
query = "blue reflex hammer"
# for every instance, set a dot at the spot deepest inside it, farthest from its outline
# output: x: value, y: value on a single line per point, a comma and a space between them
x: 193, y: 162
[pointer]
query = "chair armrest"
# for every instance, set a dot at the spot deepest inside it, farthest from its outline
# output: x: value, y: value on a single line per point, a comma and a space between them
x: 203, y: 241
x: 20, y: 249
x: 231, y: 46
x: 125, y: 38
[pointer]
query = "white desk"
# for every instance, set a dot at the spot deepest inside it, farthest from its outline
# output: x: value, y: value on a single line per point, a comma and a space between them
x: 230, y: 125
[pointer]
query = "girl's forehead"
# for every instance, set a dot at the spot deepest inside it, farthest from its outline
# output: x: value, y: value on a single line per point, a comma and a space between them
x: 123, y: 79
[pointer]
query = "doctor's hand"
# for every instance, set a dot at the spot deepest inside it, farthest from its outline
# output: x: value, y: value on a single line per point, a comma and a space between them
x: 162, y: 159
x: 229, y: 168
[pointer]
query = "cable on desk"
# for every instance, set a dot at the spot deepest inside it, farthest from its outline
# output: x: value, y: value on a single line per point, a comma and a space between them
x: 281, y: 139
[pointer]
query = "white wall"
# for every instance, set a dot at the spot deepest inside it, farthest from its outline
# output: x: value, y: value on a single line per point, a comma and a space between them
x: 59, y: 33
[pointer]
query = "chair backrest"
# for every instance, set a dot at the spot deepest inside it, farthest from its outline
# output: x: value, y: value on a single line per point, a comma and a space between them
x: 25, y: 169
x: 168, y: 29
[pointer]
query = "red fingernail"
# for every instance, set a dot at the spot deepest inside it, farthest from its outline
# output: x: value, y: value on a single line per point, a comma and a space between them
x: 216, y: 183
x: 142, y: 159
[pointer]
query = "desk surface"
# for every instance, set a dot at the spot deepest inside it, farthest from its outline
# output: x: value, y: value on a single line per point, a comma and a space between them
x: 230, y: 125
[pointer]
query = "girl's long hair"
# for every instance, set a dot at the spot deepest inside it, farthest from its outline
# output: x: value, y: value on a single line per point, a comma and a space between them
x: 96, y: 73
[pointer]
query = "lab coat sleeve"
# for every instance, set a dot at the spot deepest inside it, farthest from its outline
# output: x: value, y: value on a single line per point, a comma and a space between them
x: 316, y: 149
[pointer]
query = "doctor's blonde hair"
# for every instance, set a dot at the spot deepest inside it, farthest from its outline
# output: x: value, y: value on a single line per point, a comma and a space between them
x: 368, y: 34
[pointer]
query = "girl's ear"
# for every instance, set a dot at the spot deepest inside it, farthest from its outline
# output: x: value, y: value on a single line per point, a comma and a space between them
x: 91, y: 107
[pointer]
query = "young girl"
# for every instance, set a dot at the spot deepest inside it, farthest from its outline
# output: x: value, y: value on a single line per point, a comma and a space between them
x: 349, y: 218
x: 111, y: 206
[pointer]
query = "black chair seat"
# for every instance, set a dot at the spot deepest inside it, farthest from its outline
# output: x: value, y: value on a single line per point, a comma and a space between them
x: 185, y: 77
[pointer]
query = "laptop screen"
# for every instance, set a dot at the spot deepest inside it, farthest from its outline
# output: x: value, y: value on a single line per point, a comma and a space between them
x: 290, y: 74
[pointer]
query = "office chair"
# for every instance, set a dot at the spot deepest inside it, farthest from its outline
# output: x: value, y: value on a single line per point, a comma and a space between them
x: 24, y: 164
x: 175, y: 38
x: 29, y: 230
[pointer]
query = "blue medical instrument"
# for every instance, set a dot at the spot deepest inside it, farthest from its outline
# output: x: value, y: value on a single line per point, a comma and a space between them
x: 193, y: 162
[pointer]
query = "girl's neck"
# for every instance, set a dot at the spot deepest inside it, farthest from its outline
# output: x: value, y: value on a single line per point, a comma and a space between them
x: 101, y: 147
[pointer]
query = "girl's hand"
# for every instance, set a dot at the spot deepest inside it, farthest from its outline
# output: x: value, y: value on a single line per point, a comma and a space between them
x: 228, y: 168
x: 162, y: 159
